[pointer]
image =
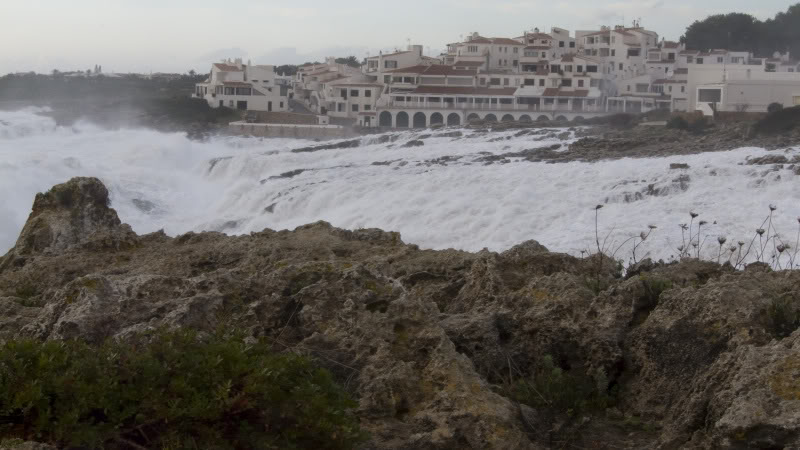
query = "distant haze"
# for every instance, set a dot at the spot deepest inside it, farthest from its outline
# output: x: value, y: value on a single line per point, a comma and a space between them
x: 179, y: 35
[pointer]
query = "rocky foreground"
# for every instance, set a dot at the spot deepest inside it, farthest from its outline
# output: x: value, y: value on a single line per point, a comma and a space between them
x: 428, y: 341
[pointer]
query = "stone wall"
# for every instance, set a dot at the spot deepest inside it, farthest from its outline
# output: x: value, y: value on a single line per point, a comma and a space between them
x: 301, y: 131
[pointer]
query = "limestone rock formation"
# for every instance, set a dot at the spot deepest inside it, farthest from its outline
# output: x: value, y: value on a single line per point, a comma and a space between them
x: 429, y: 341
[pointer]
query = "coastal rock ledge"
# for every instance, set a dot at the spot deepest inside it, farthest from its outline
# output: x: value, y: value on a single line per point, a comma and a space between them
x: 430, y: 343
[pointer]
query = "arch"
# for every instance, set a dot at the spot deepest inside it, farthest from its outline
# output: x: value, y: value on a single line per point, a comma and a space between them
x: 542, y: 118
x: 473, y: 117
x: 437, y: 119
x: 401, y: 120
x: 579, y: 119
x: 561, y: 118
x: 507, y: 118
x: 490, y: 118
x: 385, y: 119
x: 420, y: 121
x: 453, y: 119
x: 525, y: 118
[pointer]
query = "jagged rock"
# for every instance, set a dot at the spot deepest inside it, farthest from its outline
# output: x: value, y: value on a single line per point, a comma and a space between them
x: 428, y: 340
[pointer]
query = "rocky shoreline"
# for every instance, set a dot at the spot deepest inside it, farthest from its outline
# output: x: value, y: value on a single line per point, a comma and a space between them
x: 431, y: 343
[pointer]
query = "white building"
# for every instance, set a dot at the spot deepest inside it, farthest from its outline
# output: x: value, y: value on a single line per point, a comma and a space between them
x: 244, y: 87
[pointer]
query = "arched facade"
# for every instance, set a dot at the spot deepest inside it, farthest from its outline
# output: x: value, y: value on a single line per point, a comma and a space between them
x: 453, y: 119
x: 401, y: 120
x: 490, y: 118
x: 525, y: 118
x: 473, y: 117
x: 542, y: 119
x: 385, y: 119
x: 437, y: 119
x: 507, y: 118
x: 561, y: 118
x: 420, y: 121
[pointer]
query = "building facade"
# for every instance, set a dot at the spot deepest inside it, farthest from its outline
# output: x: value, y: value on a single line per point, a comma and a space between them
x: 245, y: 87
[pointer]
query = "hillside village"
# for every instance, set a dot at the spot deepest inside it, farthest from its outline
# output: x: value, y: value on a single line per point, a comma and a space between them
x: 532, y: 77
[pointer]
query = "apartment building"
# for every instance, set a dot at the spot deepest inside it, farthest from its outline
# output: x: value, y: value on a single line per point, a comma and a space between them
x: 244, y: 87
x: 310, y: 80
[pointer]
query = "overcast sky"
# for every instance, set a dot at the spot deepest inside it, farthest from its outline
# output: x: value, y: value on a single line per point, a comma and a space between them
x: 178, y: 35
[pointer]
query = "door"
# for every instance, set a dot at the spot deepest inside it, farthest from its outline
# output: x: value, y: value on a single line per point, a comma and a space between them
x: 269, y: 106
x: 241, y: 105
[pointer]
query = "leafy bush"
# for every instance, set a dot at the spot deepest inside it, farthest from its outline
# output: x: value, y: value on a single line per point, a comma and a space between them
x: 678, y: 123
x: 562, y: 391
x: 779, y: 121
x: 170, y: 390
x: 622, y: 120
x: 774, y: 107
x: 699, y: 124
x: 783, y: 317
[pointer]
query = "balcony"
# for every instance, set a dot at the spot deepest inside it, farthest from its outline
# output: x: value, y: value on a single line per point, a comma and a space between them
x: 473, y: 106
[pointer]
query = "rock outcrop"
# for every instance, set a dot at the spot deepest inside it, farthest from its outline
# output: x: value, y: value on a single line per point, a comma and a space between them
x: 428, y: 341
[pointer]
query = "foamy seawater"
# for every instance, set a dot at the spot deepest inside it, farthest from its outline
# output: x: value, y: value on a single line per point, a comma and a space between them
x: 440, y: 195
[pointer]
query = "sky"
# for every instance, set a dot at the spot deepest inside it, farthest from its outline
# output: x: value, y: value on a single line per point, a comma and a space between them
x: 179, y: 35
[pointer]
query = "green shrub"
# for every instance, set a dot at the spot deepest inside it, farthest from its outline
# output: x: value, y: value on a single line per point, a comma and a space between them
x: 774, y: 107
x: 562, y: 391
x: 678, y: 123
x: 170, y: 390
x: 783, y: 317
x: 779, y: 121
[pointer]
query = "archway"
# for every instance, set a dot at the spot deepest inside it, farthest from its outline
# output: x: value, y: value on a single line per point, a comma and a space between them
x: 473, y: 117
x: 507, y: 118
x: 561, y: 119
x: 542, y: 119
x: 401, y: 121
x: 436, y: 119
x: 525, y: 118
x: 420, y: 121
x: 579, y: 119
x: 453, y: 119
x: 385, y: 119
x: 490, y: 118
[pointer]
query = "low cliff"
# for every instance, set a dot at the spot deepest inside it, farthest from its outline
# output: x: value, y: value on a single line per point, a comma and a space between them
x: 434, y: 345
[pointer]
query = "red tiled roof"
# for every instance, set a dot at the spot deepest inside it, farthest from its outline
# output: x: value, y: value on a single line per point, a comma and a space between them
x: 556, y: 92
x: 468, y: 63
x: 436, y: 69
x: 540, y: 36
x: 227, y: 67
x: 537, y: 47
x: 670, y: 44
x: 453, y: 90
x: 506, y: 41
x: 478, y: 40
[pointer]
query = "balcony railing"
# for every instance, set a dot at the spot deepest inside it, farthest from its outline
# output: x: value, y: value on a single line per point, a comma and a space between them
x: 555, y: 107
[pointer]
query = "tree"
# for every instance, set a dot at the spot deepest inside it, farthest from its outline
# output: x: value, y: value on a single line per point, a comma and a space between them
x: 351, y: 61
x: 192, y: 73
x: 286, y: 70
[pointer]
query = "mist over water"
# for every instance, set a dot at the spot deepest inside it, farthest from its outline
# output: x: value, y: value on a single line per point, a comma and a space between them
x: 440, y: 195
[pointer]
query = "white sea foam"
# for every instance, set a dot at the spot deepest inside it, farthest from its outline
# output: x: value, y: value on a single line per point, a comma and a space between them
x: 438, y: 195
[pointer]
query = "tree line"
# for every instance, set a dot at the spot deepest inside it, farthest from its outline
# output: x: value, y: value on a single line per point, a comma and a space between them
x: 743, y: 32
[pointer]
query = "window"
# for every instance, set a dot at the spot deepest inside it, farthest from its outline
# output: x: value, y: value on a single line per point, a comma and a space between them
x: 390, y: 64
x: 505, y: 81
x: 620, y: 66
x: 281, y: 104
x: 613, y: 52
x: 555, y: 68
x: 699, y: 60
x: 591, y: 69
x: 568, y: 68
x: 472, y: 49
x: 566, y: 82
x: 572, y: 44
x: 343, y: 93
x: 340, y: 107
x: 683, y: 89
x: 690, y: 59
x: 720, y: 60
x: 387, y: 79
x: 483, y: 81
x: 544, y: 54
x: 594, y: 83
x: 516, y: 49
x: 709, y: 95
x: 354, y: 92
x: 367, y: 107
x: 541, y: 81
x: 561, y: 44
x: 515, y: 63
x: 671, y: 56
x: 495, y: 81
x: 580, y: 83
x: 670, y: 88
x: 368, y: 93
x: 629, y: 88
x: 642, y: 88
x: 579, y: 69
x: 230, y: 91
x: 354, y: 108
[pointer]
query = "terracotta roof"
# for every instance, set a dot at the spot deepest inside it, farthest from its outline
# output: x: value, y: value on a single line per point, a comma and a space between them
x: 556, y: 92
x: 540, y: 36
x: 506, y: 41
x: 395, y: 53
x: 436, y: 69
x: 227, y: 67
x: 478, y: 40
x: 453, y: 90
x: 537, y: 47
x: 670, y: 44
x: 236, y: 84
x: 468, y: 63
x: 357, y: 84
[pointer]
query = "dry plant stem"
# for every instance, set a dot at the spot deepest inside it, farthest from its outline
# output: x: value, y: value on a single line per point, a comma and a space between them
x: 751, y: 245
x: 796, y: 244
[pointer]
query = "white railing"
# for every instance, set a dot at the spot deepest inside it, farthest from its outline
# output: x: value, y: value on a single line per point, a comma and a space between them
x: 494, y: 106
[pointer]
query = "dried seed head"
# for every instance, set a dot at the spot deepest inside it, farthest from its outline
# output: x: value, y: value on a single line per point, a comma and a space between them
x: 643, y: 236
x: 652, y: 227
x: 772, y: 207
x: 694, y: 244
x: 732, y: 249
x: 760, y: 231
x: 693, y: 214
x: 722, y: 240
x: 703, y: 222
x: 781, y: 248
x: 680, y: 248
x: 741, y: 244
x: 598, y: 207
